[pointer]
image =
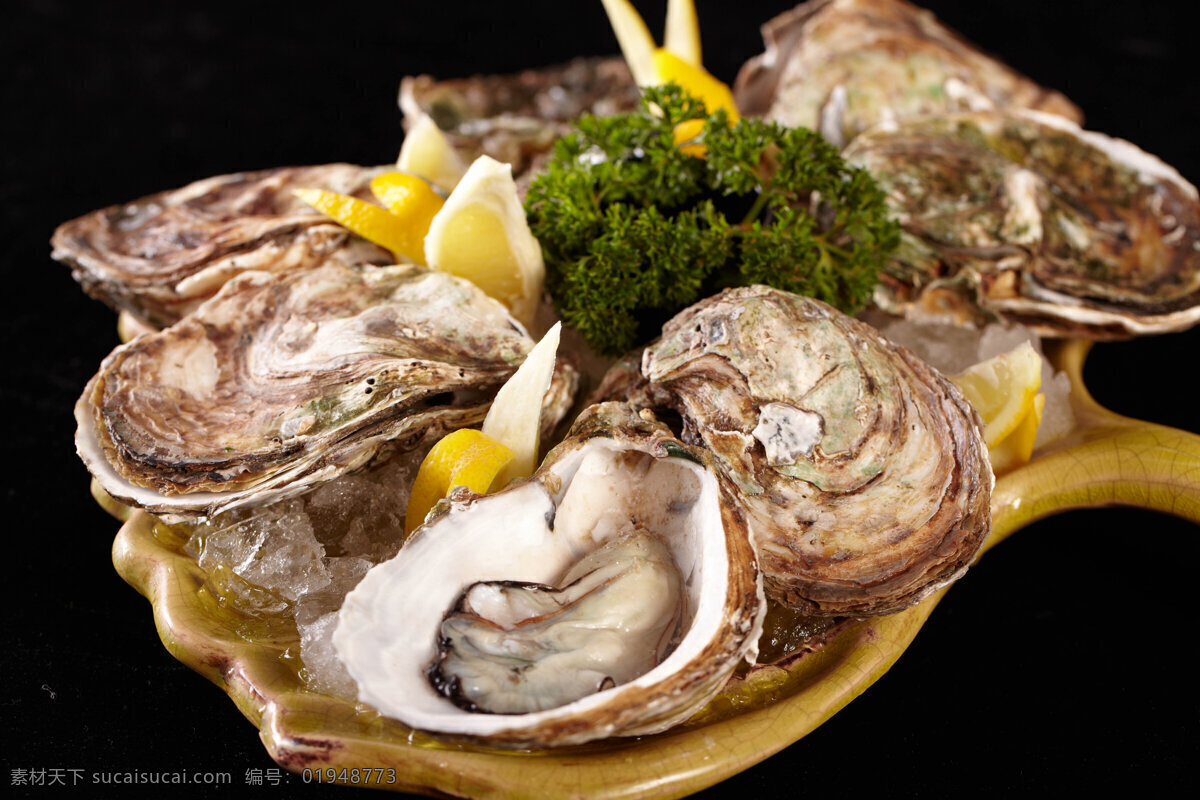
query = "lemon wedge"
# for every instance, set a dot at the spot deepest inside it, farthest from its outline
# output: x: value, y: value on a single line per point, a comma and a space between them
x: 1004, y: 390
x: 413, y: 204
x: 465, y: 457
x: 373, y: 223
x: 637, y: 45
x: 696, y: 80
x: 682, y: 36
x: 506, y: 448
x: 428, y: 153
x: 516, y: 414
x: 481, y: 234
x: 400, y: 227
x: 1017, y: 448
x: 678, y: 61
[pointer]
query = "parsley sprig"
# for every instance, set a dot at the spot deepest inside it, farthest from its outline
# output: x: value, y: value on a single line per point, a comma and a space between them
x: 634, y: 229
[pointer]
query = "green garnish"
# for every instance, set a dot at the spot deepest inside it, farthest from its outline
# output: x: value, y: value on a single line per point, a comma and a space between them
x: 633, y: 229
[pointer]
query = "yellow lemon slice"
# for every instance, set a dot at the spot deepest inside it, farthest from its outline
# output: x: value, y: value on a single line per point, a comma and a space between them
x: 413, y: 204
x: 368, y: 220
x: 506, y: 448
x: 696, y: 80
x: 427, y: 152
x: 516, y: 414
x: 463, y: 458
x: 1004, y: 390
x: 1017, y: 448
x: 686, y: 134
x: 481, y: 235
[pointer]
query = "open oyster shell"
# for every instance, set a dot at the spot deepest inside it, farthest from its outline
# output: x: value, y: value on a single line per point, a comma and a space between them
x: 517, y: 118
x: 843, y: 66
x: 286, y: 380
x: 161, y: 256
x: 861, y: 470
x: 616, y: 470
x: 1027, y: 216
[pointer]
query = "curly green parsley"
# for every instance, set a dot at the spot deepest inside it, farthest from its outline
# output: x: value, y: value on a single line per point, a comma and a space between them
x: 634, y: 229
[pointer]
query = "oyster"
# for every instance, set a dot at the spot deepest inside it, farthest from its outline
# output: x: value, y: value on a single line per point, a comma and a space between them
x: 843, y: 66
x: 286, y: 380
x: 861, y: 470
x: 617, y: 598
x: 161, y: 256
x: 1028, y: 217
x: 517, y: 118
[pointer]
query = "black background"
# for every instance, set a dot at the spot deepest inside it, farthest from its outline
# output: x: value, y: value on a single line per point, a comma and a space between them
x: 1062, y: 660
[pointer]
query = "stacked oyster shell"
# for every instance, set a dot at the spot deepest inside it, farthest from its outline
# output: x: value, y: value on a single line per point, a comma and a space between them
x: 286, y: 380
x: 842, y: 67
x: 159, y: 257
x: 1009, y: 210
x: 517, y: 118
x: 861, y: 469
x: 1028, y: 217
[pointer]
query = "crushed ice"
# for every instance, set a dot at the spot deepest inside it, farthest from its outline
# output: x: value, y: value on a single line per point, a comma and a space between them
x: 953, y: 348
x: 300, y: 557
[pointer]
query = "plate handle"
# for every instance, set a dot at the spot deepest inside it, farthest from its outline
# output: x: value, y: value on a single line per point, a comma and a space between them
x: 1107, y: 459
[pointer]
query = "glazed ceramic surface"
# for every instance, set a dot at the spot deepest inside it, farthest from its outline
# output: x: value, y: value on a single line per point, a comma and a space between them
x: 1106, y: 459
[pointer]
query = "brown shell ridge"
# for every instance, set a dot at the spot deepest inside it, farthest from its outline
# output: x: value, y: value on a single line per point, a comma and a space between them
x: 825, y: 545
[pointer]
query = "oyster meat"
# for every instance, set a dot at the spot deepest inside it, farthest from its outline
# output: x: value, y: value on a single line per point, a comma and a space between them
x: 862, y: 471
x: 517, y: 118
x: 286, y: 380
x: 617, y: 598
x: 843, y: 66
x: 1028, y: 217
x: 161, y: 256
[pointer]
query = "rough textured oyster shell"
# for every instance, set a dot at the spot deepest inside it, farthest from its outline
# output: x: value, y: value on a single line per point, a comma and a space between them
x: 516, y: 118
x: 861, y: 469
x: 843, y: 66
x: 285, y: 380
x: 161, y: 256
x: 1029, y: 217
x: 615, y: 468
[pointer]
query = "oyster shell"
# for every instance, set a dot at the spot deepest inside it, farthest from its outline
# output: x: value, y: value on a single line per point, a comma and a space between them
x: 861, y: 470
x: 843, y: 66
x: 286, y: 380
x: 616, y: 472
x: 161, y: 256
x: 1028, y: 217
x: 517, y: 118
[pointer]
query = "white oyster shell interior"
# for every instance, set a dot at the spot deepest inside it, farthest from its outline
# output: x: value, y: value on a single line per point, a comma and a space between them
x: 535, y: 532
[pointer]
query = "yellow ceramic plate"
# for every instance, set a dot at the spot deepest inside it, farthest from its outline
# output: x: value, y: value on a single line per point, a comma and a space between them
x: 1107, y: 459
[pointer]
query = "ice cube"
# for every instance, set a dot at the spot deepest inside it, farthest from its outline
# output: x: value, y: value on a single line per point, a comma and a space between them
x: 997, y: 339
x: 1057, y: 416
x: 316, y: 618
x: 947, y: 348
x: 363, y: 514
x: 272, y: 547
x: 323, y: 671
x: 344, y: 574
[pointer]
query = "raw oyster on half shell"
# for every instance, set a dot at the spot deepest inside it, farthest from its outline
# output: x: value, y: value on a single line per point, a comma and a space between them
x: 285, y: 380
x: 161, y: 256
x: 862, y: 471
x: 616, y: 598
x: 842, y: 66
x: 1028, y: 217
